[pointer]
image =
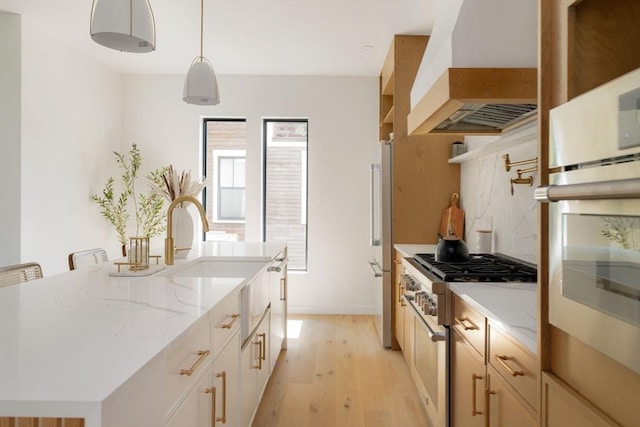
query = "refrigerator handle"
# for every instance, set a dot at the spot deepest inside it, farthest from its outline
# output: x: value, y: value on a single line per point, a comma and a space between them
x: 373, y: 265
x: 375, y: 204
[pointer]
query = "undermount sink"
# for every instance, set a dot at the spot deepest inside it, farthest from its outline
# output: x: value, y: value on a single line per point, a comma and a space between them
x: 211, y: 268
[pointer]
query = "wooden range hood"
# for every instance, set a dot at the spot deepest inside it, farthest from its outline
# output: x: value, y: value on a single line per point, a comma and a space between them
x: 476, y: 101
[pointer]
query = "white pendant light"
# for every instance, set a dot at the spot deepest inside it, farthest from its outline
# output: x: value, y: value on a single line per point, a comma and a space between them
x: 201, y: 85
x: 124, y: 25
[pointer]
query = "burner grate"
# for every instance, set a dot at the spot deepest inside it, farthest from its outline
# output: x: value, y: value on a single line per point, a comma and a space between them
x: 480, y: 268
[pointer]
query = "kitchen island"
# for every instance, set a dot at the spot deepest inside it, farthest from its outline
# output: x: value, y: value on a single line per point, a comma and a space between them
x: 79, y: 344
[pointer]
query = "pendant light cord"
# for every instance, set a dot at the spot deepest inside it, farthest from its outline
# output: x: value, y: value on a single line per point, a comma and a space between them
x: 201, y: 26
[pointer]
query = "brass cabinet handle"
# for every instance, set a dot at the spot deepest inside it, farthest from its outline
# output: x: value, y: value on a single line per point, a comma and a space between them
x: 502, y: 359
x: 283, y: 289
x: 259, y: 344
x: 223, y: 418
x: 263, y: 349
x: 202, y: 354
x: 234, y: 317
x: 466, y: 327
x: 474, y: 377
x: 212, y: 390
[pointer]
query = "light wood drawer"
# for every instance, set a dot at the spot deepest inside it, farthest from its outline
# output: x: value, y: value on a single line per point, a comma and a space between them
x: 470, y: 324
x: 187, y: 357
x: 515, y: 364
x: 225, y: 321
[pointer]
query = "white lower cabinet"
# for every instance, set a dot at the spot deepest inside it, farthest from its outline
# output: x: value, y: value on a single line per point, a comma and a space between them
x: 226, y: 381
x: 254, y: 369
x: 278, y: 284
x: 196, y: 409
x: 213, y: 401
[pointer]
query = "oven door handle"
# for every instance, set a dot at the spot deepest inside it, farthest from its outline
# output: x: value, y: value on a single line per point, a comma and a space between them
x: 616, y: 189
x: 433, y: 336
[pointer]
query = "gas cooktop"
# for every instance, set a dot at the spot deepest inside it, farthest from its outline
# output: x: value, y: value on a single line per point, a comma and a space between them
x: 480, y: 268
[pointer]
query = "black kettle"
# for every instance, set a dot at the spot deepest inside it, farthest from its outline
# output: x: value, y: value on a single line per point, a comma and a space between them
x: 451, y: 248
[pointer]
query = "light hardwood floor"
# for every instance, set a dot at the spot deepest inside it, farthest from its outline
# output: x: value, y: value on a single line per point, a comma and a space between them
x: 336, y: 374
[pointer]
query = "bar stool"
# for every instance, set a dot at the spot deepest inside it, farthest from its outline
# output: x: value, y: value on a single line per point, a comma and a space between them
x: 18, y: 273
x: 86, y: 258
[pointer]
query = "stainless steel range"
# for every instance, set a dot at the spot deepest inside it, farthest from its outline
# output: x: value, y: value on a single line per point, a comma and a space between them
x: 425, y: 291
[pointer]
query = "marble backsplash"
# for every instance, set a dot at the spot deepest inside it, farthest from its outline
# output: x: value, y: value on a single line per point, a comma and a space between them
x: 488, y: 203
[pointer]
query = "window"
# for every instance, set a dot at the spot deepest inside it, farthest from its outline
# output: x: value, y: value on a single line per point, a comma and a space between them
x: 231, y: 186
x: 224, y: 159
x: 285, y: 187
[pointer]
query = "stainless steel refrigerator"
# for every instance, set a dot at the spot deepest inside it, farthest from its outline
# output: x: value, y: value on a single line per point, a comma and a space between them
x: 380, y: 238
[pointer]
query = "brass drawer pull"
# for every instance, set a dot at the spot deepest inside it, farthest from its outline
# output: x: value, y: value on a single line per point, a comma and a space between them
x: 223, y: 418
x: 202, y: 355
x: 283, y: 289
x: 259, y: 344
x: 502, y: 359
x: 212, y: 390
x: 263, y: 349
x: 474, y: 377
x: 466, y: 327
x: 234, y: 317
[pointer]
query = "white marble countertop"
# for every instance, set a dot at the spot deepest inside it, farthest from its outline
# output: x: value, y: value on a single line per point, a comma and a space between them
x: 509, y: 306
x: 409, y: 250
x: 68, y: 341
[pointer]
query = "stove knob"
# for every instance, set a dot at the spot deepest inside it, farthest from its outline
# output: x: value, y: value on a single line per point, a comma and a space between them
x: 433, y: 310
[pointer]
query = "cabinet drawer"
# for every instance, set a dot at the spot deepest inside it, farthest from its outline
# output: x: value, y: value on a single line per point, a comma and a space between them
x: 517, y: 366
x: 225, y: 321
x: 187, y: 357
x: 469, y: 324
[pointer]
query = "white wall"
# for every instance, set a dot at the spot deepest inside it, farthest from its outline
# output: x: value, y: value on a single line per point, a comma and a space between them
x: 75, y: 113
x: 10, y: 29
x: 342, y: 113
x: 71, y: 123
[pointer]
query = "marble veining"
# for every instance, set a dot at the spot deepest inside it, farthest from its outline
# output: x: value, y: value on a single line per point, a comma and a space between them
x: 488, y: 203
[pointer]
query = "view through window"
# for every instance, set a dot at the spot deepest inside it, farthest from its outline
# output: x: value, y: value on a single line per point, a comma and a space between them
x: 224, y: 166
x: 285, y: 187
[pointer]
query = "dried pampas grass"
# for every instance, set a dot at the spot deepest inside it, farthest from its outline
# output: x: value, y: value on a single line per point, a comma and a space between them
x: 176, y: 185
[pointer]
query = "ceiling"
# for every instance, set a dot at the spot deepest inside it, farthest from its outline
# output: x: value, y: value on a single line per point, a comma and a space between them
x: 259, y: 37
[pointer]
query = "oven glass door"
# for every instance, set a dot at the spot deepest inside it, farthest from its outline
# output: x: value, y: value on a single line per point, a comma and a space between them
x: 601, y: 263
x: 594, y: 265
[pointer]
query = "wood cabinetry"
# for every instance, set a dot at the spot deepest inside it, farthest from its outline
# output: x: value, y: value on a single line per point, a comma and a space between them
x: 399, y: 304
x: 563, y: 407
x: 493, y: 378
x: 504, y: 407
x: 583, y: 44
x: 422, y: 178
x: 468, y: 367
x: 467, y: 384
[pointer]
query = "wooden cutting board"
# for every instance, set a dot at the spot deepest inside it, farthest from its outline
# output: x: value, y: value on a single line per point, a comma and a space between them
x: 454, y: 215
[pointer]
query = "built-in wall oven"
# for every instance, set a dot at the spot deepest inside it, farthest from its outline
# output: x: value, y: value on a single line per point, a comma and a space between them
x: 594, y: 218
